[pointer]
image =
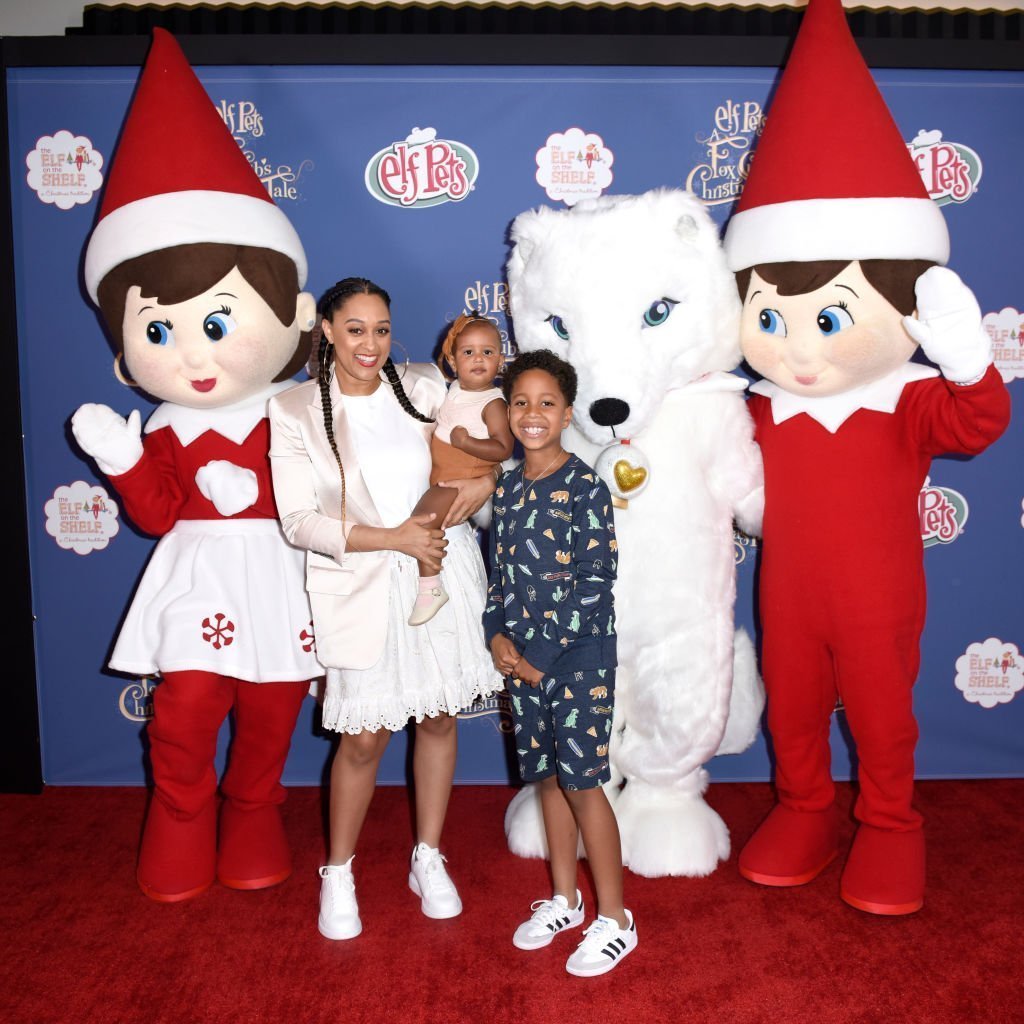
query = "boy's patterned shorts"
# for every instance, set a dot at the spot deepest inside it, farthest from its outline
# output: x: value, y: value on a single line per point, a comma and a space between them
x: 563, y: 725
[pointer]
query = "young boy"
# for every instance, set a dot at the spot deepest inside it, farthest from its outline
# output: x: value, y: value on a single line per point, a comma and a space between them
x: 550, y: 624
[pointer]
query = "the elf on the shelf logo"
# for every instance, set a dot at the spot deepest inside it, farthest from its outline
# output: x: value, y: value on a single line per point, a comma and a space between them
x: 64, y: 169
x: 423, y: 170
x: 942, y: 512
x: 990, y: 673
x: 950, y: 170
x: 728, y: 151
x: 245, y: 122
x: 574, y: 165
x: 81, y: 517
x: 1006, y: 329
x: 136, y: 700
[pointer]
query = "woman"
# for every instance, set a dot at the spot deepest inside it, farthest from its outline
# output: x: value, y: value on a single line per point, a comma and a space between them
x: 350, y: 454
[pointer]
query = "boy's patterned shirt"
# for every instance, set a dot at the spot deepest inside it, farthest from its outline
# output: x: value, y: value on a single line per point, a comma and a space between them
x: 553, y: 563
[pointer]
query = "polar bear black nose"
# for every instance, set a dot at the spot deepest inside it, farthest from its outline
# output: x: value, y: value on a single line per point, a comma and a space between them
x: 609, y: 412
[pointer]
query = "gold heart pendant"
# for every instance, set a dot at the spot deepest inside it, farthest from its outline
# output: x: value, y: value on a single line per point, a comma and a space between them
x: 628, y: 477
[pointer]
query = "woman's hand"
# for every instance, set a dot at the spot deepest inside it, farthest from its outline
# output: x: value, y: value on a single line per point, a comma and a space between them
x: 471, y: 497
x: 417, y: 538
x: 504, y: 654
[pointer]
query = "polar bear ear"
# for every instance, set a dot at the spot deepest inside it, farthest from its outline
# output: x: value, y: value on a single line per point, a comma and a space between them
x: 528, y: 230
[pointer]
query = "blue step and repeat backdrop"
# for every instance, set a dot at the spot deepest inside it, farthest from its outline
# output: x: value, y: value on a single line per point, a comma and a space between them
x: 437, y: 240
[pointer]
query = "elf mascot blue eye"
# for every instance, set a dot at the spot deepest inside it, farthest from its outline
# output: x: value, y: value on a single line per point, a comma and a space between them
x: 658, y: 312
x: 558, y: 326
x: 159, y: 332
x: 833, y: 319
x: 771, y: 322
x: 218, y: 325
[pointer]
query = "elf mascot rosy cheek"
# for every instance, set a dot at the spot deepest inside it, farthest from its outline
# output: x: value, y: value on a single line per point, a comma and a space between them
x: 839, y: 267
x: 198, y: 276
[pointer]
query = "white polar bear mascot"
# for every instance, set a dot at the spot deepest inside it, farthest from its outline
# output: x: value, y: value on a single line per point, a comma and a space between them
x: 635, y: 293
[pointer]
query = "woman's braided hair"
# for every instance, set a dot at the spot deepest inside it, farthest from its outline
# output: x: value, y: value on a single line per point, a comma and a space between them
x: 330, y: 302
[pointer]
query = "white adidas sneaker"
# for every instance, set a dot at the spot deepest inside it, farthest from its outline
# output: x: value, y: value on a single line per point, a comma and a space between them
x: 549, y: 918
x: 604, y: 946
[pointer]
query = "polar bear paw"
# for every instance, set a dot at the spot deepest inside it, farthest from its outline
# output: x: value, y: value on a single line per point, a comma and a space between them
x: 670, y: 831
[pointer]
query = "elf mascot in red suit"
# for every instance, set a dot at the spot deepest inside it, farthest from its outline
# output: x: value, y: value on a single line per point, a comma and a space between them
x: 198, y: 276
x: 839, y: 256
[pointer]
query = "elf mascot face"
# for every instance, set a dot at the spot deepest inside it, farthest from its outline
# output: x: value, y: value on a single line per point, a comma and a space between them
x: 198, y: 276
x: 839, y: 264
x: 635, y: 293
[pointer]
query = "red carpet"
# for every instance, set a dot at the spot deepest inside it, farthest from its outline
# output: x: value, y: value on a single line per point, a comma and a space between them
x: 82, y: 945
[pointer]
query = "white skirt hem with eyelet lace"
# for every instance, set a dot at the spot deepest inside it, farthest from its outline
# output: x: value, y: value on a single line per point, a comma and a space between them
x: 423, y: 671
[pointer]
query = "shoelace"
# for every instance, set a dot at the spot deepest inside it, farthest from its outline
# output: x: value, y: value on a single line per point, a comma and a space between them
x: 436, y: 876
x: 341, y: 887
x: 598, y: 934
x: 546, y: 912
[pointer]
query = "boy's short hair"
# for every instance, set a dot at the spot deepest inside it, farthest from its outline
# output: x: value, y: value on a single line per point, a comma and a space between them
x: 546, y: 360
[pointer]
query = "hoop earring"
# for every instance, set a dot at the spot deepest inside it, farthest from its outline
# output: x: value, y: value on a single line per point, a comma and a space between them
x: 400, y: 370
x: 120, y: 374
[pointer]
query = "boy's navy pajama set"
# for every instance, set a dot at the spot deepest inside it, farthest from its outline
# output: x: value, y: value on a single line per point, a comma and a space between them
x: 553, y: 563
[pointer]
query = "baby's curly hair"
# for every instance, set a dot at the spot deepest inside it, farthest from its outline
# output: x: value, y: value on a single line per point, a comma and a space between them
x: 546, y: 360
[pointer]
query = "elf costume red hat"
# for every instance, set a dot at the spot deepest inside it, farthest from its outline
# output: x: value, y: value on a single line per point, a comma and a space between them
x: 831, y: 177
x: 179, y: 177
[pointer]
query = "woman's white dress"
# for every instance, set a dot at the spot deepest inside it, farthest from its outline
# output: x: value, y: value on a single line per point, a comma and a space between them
x: 443, y: 665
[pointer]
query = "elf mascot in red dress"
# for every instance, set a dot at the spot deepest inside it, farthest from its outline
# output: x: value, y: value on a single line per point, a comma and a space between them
x: 198, y: 276
x: 839, y: 256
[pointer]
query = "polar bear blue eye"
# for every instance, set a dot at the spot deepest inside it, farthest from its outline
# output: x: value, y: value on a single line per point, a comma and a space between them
x: 658, y: 312
x: 159, y: 332
x: 218, y: 325
x: 771, y: 322
x: 558, y: 326
x: 833, y: 319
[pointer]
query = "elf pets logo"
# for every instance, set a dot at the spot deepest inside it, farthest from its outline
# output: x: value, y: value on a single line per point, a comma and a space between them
x: 990, y: 673
x: 421, y: 171
x: 942, y: 512
x: 490, y: 299
x: 245, y: 122
x: 950, y: 171
x: 728, y: 151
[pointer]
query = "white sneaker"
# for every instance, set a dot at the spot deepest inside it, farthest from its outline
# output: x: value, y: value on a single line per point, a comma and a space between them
x: 429, y: 880
x: 549, y: 918
x: 604, y: 946
x: 339, y: 912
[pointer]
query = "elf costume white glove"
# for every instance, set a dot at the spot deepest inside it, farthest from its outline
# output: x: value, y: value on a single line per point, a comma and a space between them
x: 948, y: 326
x: 113, y: 441
x: 231, y: 488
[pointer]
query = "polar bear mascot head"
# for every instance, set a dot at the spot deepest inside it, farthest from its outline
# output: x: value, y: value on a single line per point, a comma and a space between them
x: 634, y: 292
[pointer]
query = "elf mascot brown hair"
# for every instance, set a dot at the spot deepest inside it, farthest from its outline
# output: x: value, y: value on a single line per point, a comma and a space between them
x: 198, y: 276
x: 835, y: 244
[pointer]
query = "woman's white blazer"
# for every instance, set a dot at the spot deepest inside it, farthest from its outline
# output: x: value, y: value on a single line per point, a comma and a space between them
x: 348, y: 590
